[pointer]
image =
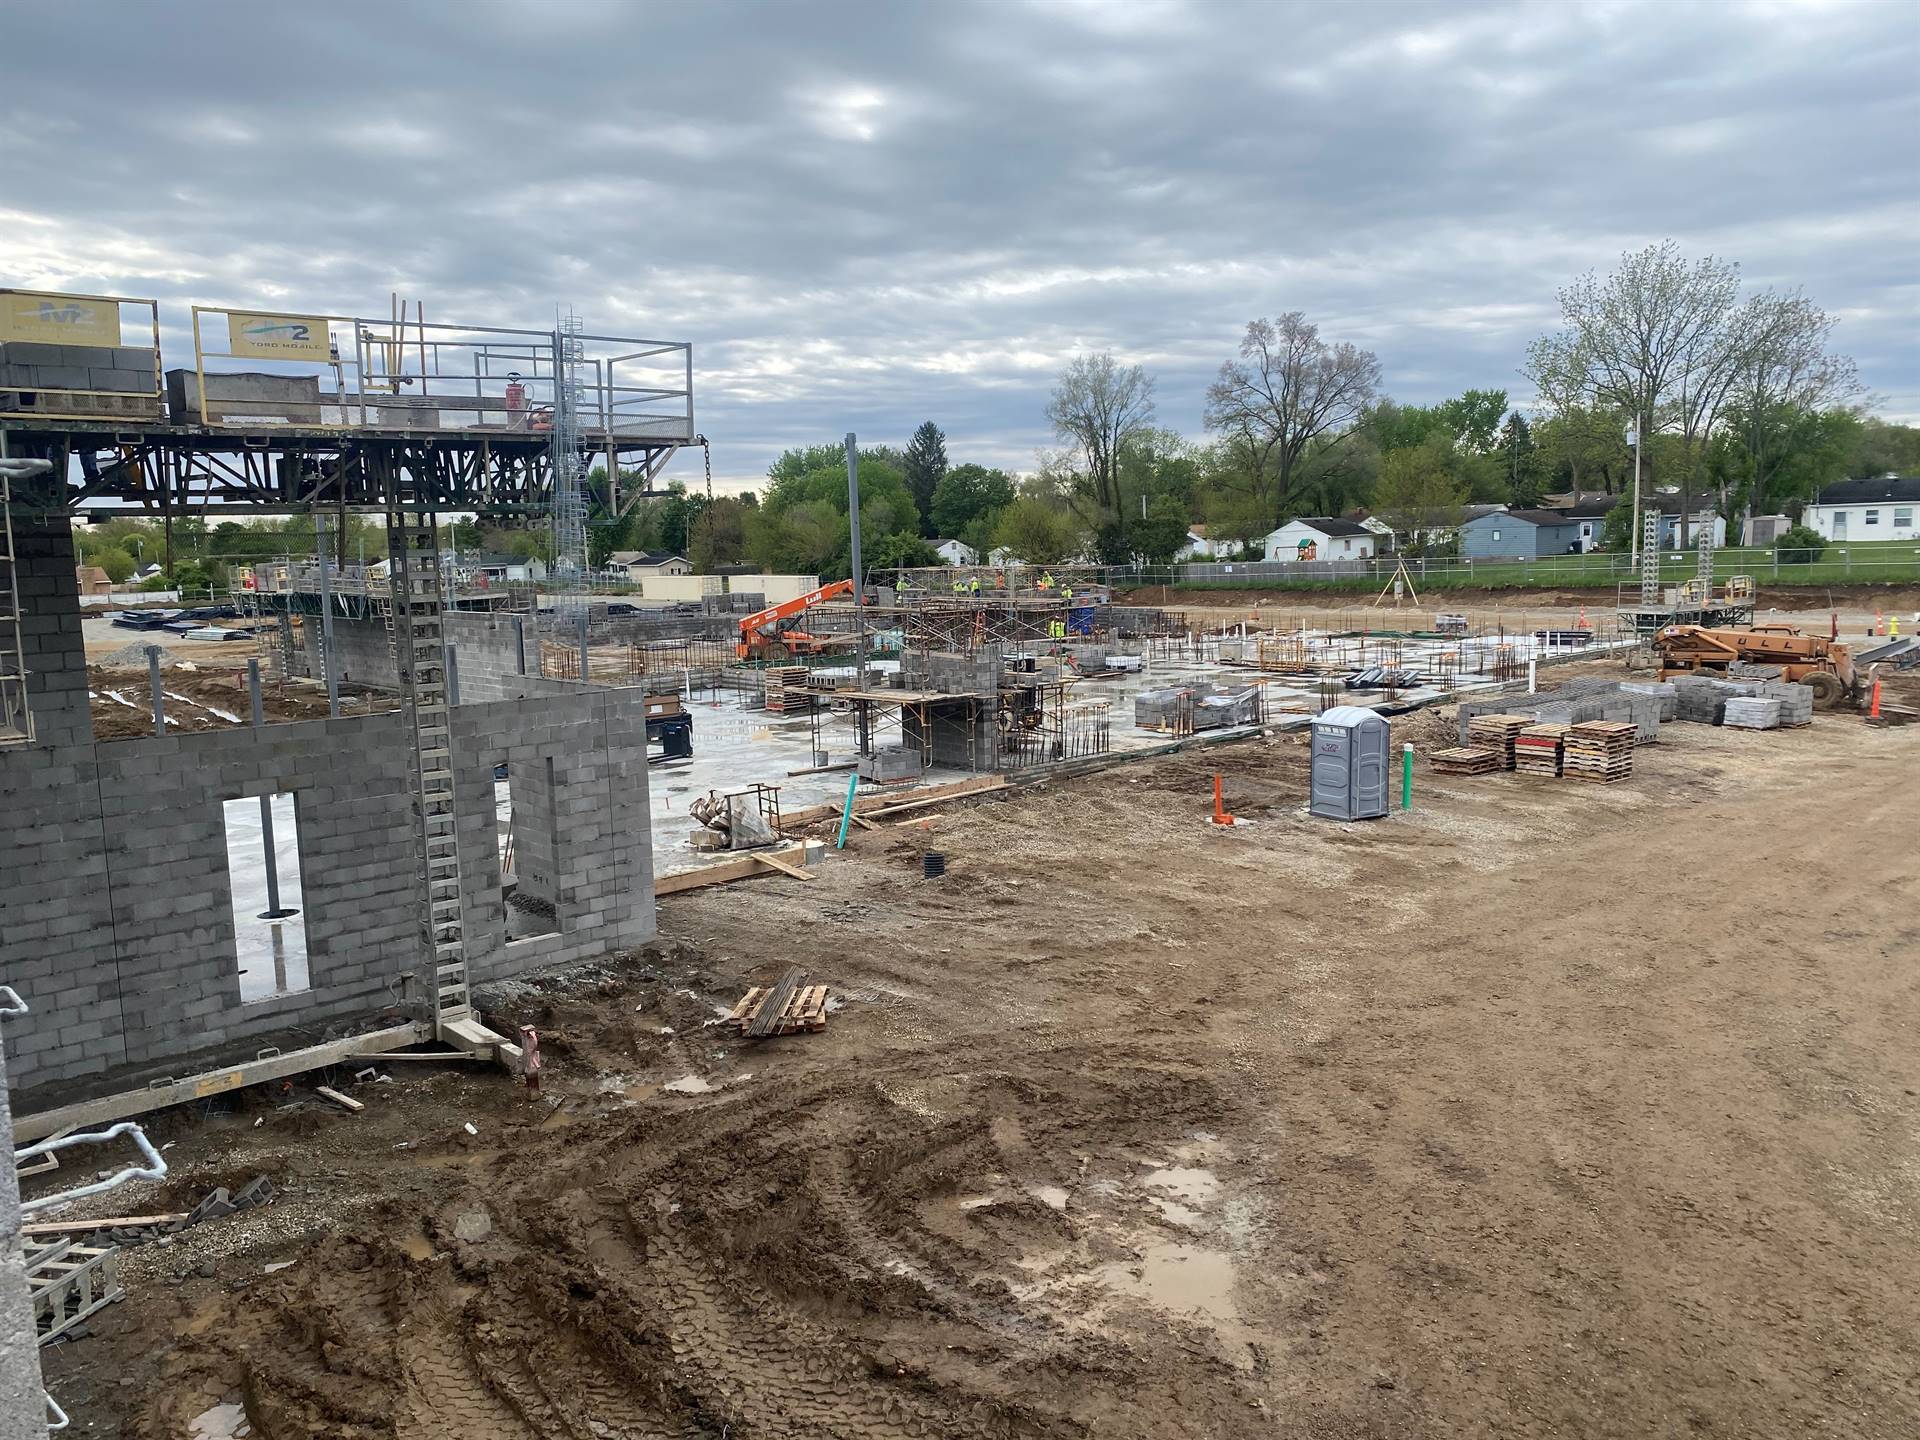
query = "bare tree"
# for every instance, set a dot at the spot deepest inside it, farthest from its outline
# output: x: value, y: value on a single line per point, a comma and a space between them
x: 1288, y: 392
x: 1656, y: 341
x: 1097, y: 406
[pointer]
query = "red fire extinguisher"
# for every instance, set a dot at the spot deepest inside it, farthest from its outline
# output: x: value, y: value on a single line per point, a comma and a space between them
x: 516, y: 399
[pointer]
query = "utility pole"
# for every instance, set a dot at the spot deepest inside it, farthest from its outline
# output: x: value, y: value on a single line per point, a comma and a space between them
x: 859, y: 577
x: 1634, y: 529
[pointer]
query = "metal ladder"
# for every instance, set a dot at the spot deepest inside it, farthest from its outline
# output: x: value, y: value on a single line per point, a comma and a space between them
x: 16, y: 719
x: 415, y: 613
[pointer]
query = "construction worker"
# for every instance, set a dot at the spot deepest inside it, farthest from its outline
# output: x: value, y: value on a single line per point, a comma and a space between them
x: 1057, y: 629
x: 959, y: 587
x: 1046, y: 580
x: 973, y: 587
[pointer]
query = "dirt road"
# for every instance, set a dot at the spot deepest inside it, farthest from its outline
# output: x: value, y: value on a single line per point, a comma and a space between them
x: 1543, y: 1109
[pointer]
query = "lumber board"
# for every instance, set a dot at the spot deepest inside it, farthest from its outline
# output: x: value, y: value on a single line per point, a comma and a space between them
x: 345, y: 1102
x: 832, y: 810
x: 723, y: 873
x: 103, y: 1222
x: 783, y: 867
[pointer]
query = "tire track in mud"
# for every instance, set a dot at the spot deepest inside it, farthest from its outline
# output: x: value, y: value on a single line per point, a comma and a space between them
x: 753, y: 1265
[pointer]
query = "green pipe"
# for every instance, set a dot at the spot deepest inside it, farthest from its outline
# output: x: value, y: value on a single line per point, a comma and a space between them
x: 846, y: 815
x: 1406, y: 777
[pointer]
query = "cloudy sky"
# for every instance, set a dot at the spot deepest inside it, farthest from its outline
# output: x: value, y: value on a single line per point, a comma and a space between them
x: 864, y: 215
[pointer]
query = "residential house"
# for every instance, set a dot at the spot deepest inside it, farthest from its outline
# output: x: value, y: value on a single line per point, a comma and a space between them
x: 954, y: 552
x: 646, y: 564
x: 1519, y: 534
x: 1885, y: 508
x: 1202, y: 546
x: 486, y: 568
x: 1321, y: 537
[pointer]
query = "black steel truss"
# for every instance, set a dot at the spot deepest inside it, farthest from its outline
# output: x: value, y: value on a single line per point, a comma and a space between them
x: 181, y: 470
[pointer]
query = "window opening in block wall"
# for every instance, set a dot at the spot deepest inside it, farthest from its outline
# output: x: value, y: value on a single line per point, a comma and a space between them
x: 523, y: 807
x: 269, y: 909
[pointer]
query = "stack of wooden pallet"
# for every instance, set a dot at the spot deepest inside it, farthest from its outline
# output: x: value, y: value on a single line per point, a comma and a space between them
x: 1599, y: 750
x: 789, y: 1006
x: 1498, y: 732
x: 787, y: 688
x: 1466, y: 760
x: 1536, y: 749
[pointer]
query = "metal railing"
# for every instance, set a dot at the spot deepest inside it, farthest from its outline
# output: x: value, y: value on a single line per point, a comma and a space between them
x: 64, y: 359
x: 346, y: 372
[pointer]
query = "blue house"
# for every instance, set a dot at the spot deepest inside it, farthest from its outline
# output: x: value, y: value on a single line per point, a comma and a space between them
x: 1520, y: 534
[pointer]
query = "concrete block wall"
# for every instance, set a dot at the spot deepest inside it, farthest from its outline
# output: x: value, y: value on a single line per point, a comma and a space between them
x: 116, y: 915
x: 55, y: 654
x: 361, y: 651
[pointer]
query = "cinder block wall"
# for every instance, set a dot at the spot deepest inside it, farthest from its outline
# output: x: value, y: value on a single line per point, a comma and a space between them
x: 116, y: 912
x: 55, y: 654
x: 361, y: 651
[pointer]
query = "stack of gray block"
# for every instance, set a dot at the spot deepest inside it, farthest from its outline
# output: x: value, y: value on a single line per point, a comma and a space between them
x: 1157, y: 709
x: 892, y: 763
x: 1796, y: 701
x: 1751, y: 712
x: 949, y: 673
x: 1224, y: 705
x: 1661, y: 690
x: 1703, y: 699
x: 34, y: 365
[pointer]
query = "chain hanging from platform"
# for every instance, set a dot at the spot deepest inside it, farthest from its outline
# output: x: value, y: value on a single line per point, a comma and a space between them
x: 569, y: 488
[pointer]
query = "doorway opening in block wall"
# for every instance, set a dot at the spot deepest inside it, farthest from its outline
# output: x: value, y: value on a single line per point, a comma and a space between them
x: 526, y: 819
x: 269, y: 907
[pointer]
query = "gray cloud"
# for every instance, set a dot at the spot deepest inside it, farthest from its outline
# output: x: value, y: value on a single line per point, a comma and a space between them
x: 866, y: 214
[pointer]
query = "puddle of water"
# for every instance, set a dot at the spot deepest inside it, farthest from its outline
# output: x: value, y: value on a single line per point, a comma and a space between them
x: 222, y: 1422
x: 974, y: 1202
x: 689, y: 1085
x: 1054, y: 1197
x: 1187, y: 1280
x: 1175, y: 1213
x: 1193, y: 1183
x: 416, y: 1245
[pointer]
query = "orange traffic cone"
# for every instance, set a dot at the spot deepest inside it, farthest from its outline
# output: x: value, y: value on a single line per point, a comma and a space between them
x: 1581, y: 623
x: 1873, y: 708
x: 1879, y: 623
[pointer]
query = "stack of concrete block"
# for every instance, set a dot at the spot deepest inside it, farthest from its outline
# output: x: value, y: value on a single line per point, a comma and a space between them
x: 951, y: 673
x: 1703, y: 698
x: 1224, y: 705
x: 235, y: 398
x: 891, y: 764
x: 1796, y: 702
x: 1661, y: 690
x: 1751, y: 712
x: 124, y: 372
x: 1160, y: 709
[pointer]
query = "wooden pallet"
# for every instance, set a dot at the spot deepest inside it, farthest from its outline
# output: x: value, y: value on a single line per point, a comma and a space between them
x: 1498, y: 732
x: 806, y: 1010
x: 1537, y: 749
x: 1466, y: 760
x: 1599, y: 750
x: 787, y: 688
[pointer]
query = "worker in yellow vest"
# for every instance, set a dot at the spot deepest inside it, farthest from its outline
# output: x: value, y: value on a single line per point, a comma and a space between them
x: 1046, y: 580
x: 973, y: 587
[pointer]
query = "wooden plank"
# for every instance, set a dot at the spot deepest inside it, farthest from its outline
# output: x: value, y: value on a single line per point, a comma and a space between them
x: 723, y: 873
x: 104, y: 1222
x: 955, y: 790
x: 783, y: 867
x: 345, y: 1102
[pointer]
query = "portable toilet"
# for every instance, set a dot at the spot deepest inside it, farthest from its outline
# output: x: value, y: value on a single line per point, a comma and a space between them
x: 1351, y: 750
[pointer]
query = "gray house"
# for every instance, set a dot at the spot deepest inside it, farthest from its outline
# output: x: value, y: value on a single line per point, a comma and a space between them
x: 1517, y: 534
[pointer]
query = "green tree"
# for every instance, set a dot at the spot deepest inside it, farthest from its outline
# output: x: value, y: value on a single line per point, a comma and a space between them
x: 902, y: 550
x: 925, y: 468
x: 1419, y: 495
x: 964, y: 495
x: 1882, y: 447
x: 1520, y: 459
x: 116, y: 562
x: 1473, y: 419
x: 720, y: 533
x: 1163, y: 533
x: 1097, y: 407
x: 1038, y: 532
x: 1799, y: 545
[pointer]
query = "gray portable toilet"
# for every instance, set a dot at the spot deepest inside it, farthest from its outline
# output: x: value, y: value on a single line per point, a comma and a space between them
x: 1351, y: 749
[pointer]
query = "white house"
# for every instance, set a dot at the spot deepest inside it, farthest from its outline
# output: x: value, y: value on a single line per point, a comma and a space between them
x: 1202, y: 546
x: 644, y: 564
x: 953, y: 552
x: 1321, y: 537
x: 1881, y: 509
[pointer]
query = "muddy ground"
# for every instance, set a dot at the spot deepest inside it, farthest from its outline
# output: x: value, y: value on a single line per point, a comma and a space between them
x: 1544, y: 1109
x: 208, y: 693
x: 1849, y: 599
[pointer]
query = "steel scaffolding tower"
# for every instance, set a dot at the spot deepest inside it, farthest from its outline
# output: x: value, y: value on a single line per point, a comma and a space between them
x: 1650, y: 557
x: 569, y: 488
x: 16, y: 721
